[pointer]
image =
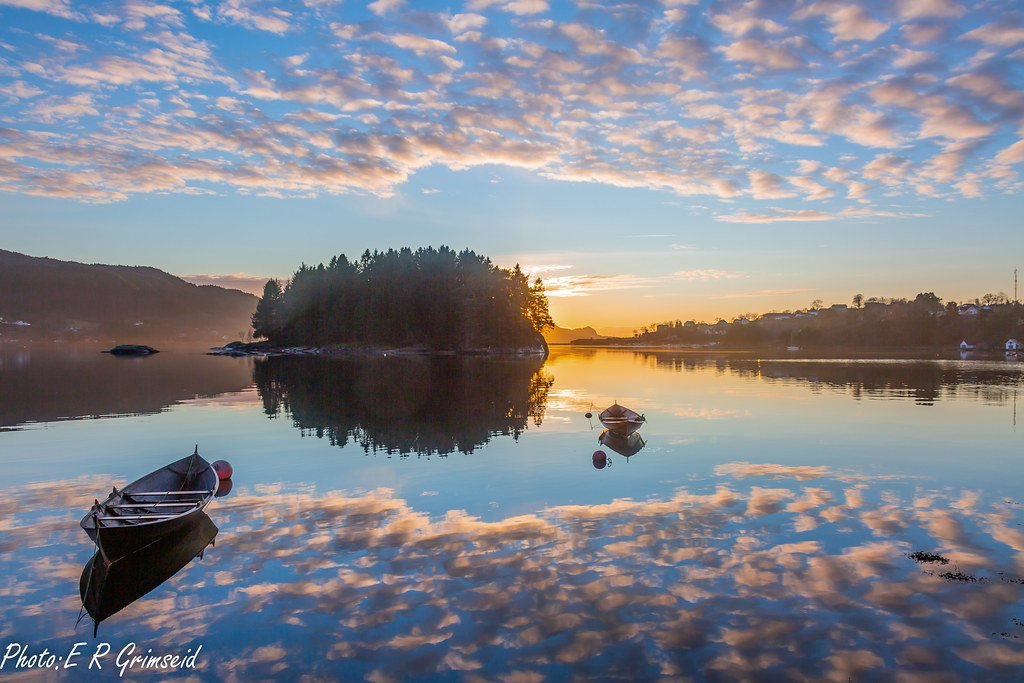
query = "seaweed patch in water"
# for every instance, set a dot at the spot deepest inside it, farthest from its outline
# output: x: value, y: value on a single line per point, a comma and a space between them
x: 921, y: 556
x: 957, y: 575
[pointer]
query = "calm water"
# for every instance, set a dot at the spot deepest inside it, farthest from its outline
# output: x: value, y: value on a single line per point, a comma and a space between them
x: 401, y: 519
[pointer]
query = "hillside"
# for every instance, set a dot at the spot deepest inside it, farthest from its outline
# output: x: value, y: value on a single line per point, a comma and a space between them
x: 68, y: 300
x: 562, y: 335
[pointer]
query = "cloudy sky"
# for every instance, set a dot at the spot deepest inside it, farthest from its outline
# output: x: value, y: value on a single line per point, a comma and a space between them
x: 651, y: 160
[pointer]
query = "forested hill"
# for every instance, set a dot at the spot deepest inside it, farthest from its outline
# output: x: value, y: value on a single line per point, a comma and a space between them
x: 431, y: 299
x: 64, y: 299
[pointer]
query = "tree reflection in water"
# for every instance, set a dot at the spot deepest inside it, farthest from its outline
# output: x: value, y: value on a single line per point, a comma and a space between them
x: 924, y: 381
x: 406, y: 405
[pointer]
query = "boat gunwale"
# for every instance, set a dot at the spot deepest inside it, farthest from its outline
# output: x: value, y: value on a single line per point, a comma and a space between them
x: 196, y: 505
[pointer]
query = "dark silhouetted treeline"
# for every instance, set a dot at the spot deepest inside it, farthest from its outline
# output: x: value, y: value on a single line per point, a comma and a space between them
x: 901, y: 324
x: 405, y: 405
x: 880, y: 324
x: 430, y: 298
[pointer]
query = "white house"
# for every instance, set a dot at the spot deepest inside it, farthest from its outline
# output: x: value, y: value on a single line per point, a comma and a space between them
x: 1013, y: 345
x: 968, y: 309
x: 965, y: 346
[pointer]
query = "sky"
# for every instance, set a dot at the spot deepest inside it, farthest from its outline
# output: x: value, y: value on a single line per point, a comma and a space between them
x: 649, y: 160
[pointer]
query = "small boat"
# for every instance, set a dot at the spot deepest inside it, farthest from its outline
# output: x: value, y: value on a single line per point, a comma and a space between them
x: 155, y: 505
x: 621, y: 420
x: 627, y: 446
x: 107, y: 587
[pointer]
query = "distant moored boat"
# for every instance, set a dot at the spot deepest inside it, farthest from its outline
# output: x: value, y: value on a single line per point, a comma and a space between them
x: 621, y: 419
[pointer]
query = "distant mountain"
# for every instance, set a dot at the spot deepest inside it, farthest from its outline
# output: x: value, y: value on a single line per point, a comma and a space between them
x: 618, y: 331
x: 64, y: 299
x: 562, y: 335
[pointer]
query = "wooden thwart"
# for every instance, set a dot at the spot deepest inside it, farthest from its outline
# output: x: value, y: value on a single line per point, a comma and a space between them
x: 155, y: 515
x: 189, y: 503
x: 168, y: 493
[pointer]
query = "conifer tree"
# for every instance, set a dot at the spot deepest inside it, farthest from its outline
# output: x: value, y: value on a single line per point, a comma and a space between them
x: 265, y: 321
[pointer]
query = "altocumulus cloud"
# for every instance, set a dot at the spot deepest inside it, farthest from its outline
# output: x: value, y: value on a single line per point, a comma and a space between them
x: 916, y: 101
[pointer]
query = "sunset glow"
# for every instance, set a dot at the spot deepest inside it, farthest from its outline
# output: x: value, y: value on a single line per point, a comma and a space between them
x: 649, y: 160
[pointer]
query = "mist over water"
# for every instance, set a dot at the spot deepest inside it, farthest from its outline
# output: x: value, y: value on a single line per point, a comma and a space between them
x: 444, y: 518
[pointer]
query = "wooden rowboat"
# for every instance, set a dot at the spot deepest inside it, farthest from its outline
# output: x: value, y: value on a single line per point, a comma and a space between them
x: 108, y: 586
x: 155, y: 505
x: 621, y: 420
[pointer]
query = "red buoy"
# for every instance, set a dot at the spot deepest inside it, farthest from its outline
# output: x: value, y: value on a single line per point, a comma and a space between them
x: 223, y: 469
x: 223, y: 488
x: 600, y: 459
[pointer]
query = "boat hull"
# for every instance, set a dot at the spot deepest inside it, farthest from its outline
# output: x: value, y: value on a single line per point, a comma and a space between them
x: 118, y: 541
x: 623, y: 427
x: 621, y: 420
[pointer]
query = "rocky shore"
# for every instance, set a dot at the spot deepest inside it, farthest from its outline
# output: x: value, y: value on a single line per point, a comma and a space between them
x: 263, y: 349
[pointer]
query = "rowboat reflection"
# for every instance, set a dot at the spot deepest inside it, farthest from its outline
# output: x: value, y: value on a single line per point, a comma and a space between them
x: 107, y: 587
x: 623, y: 445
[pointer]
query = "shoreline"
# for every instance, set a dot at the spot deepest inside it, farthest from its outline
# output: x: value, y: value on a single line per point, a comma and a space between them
x: 938, y: 353
x: 259, y: 349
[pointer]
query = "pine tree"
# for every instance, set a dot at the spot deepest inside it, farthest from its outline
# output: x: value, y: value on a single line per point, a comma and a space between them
x: 537, y: 307
x: 266, y: 320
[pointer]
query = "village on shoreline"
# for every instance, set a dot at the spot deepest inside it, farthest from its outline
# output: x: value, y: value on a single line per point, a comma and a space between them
x: 922, y: 325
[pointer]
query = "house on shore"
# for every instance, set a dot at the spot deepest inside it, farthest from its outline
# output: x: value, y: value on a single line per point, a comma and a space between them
x: 1014, y: 345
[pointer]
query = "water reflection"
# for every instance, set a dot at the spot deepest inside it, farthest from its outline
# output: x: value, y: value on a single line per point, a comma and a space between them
x: 405, y: 405
x: 45, y: 385
x: 529, y: 564
x: 924, y: 381
x: 107, y: 587
x: 771, y: 572
x: 626, y: 445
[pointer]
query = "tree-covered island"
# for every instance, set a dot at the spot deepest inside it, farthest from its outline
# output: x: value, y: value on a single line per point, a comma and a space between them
x: 433, y: 300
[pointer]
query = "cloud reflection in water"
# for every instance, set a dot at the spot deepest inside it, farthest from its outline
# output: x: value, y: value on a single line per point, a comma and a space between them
x: 762, y: 579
